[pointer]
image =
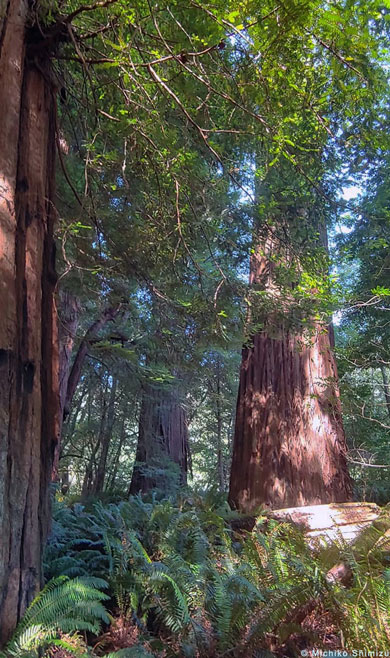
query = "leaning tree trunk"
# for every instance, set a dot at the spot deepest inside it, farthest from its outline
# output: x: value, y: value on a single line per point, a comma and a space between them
x: 69, y: 310
x: 73, y: 378
x: 29, y: 400
x: 289, y: 446
x: 69, y: 376
x: 162, y: 438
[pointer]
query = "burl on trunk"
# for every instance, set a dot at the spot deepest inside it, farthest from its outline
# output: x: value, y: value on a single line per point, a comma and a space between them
x: 29, y: 400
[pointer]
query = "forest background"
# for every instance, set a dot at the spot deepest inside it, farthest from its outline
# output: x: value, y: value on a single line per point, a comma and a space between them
x: 177, y: 204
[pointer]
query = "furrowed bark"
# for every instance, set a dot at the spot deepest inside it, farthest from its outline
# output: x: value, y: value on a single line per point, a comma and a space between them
x: 289, y: 444
x: 29, y: 400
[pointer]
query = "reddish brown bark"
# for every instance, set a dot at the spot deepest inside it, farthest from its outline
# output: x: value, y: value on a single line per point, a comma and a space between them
x: 289, y: 445
x: 29, y: 400
x: 163, y: 437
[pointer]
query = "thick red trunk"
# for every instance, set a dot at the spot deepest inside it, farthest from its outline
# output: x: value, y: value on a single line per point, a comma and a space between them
x: 29, y: 401
x: 289, y: 444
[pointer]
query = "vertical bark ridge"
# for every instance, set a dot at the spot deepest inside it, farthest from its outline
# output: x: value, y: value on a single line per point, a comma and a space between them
x: 28, y: 351
x: 289, y: 445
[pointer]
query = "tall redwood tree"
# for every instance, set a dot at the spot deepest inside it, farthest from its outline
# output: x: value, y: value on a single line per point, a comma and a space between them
x: 289, y: 445
x: 29, y: 400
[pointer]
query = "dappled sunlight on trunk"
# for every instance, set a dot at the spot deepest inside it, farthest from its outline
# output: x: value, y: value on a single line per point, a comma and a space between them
x: 28, y: 334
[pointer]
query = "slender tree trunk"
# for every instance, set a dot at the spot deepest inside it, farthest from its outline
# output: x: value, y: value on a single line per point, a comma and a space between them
x: 106, y: 440
x: 386, y: 387
x: 220, y: 465
x: 29, y: 399
x: 77, y: 417
x: 68, y: 323
x: 86, y: 488
x: 116, y: 459
x: 90, y: 471
x: 289, y: 446
x: 163, y: 437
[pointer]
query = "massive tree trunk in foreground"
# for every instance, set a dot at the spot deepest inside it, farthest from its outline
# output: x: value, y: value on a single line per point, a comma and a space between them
x: 162, y: 439
x: 29, y: 400
x: 289, y: 445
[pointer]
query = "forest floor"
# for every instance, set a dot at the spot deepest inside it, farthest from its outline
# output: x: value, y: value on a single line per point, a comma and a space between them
x: 188, y: 578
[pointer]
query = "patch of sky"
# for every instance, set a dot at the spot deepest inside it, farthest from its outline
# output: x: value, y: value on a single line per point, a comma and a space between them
x: 348, y: 193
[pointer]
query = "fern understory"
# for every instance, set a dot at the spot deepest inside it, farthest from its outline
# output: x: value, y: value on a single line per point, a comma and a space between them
x: 145, y: 578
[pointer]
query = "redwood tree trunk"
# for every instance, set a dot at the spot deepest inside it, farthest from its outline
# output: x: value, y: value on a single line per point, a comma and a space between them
x: 163, y: 437
x: 29, y: 400
x: 289, y: 446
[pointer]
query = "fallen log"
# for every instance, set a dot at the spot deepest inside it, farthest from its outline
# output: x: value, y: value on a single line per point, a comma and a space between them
x: 331, y: 522
x: 327, y: 524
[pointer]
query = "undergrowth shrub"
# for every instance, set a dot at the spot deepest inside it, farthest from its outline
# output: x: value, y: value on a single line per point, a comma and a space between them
x: 63, y: 606
x: 181, y: 583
